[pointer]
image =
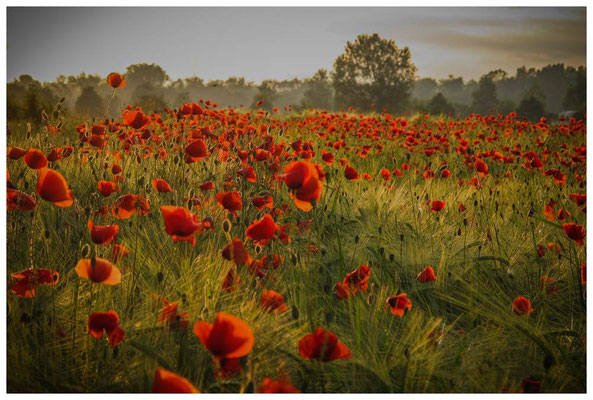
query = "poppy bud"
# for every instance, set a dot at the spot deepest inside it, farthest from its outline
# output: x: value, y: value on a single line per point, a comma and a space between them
x: 549, y: 362
x: 46, y: 233
x: 356, y: 239
x: 380, y: 230
x: 294, y: 259
x: 295, y: 312
x: 159, y: 277
x: 382, y: 251
x: 226, y: 226
x: 175, y: 160
x: 392, y: 257
x: 85, y: 251
x: 184, y: 299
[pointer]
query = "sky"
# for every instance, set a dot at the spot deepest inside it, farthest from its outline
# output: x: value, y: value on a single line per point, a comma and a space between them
x: 283, y: 43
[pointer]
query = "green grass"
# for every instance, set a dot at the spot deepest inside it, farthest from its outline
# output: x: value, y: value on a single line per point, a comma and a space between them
x: 483, y: 257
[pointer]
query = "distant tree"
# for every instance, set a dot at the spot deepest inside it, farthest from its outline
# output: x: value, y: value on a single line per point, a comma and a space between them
x: 484, y: 97
x: 439, y: 105
x: 89, y: 102
x: 425, y: 89
x: 318, y: 92
x: 532, y: 107
x: 575, y: 97
x: 267, y: 94
x: 373, y: 70
x: 143, y: 74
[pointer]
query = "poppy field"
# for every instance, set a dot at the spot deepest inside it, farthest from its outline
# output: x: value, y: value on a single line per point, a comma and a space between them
x: 201, y: 249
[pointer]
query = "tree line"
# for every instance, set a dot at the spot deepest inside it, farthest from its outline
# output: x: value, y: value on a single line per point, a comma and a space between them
x: 371, y: 74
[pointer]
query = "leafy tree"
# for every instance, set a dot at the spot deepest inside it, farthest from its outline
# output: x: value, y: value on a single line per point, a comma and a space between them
x: 318, y: 92
x: 532, y: 107
x: 267, y: 93
x: 89, y: 102
x: 373, y: 70
x: 425, y: 89
x: 143, y: 74
x: 439, y: 105
x: 484, y: 97
x: 575, y: 97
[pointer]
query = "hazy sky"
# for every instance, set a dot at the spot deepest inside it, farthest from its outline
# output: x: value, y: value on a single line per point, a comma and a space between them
x: 279, y: 43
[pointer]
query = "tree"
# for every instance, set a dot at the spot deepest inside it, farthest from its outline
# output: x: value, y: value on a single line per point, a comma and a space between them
x: 484, y: 97
x: 425, y: 89
x: 89, y: 102
x: 439, y: 105
x: 575, y: 97
x: 266, y: 93
x: 318, y: 92
x: 375, y: 71
x: 532, y: 107
x: 143, y: 74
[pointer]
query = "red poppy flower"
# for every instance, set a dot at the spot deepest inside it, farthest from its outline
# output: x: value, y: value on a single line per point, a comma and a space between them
x: 14, y: 153
x: 230, y: 201
x: 549, y: 212
x: 328, y: 158
x: 25, y: 282
x: 161, y: 185
x: 228, y: 337
x: 276, y: 386
x: 580, y: 199
x: 135, y: 119
x: 108, y: 322
x: 272, y: 301
x: 324, y: 346
x: 385, y: 174
x: 521, y: 306
x: 356, y: 281
x: 303, y: 179
x: 235, y: 252
x: 437, y: 205
x: 205, y: 186
x: 481, y: 167
x: 262, y: 230
x: 350, y: 173
x: 35, y: 159
x: 168, y: 382
x: 52, y: 186
x: 19, y: 201
x: 427, y: 275
x: 98, y: 270
x: 102, y: 234
x: 261, y: 202
x: 575, y: 232
x: 248, y: 173
x: 170, y: 317
x: 106, y: 188
x: 180, y: 224
x: 116, y: 80
x: 398, y: 304
x: 196, y: 151
x: 125, y: 206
